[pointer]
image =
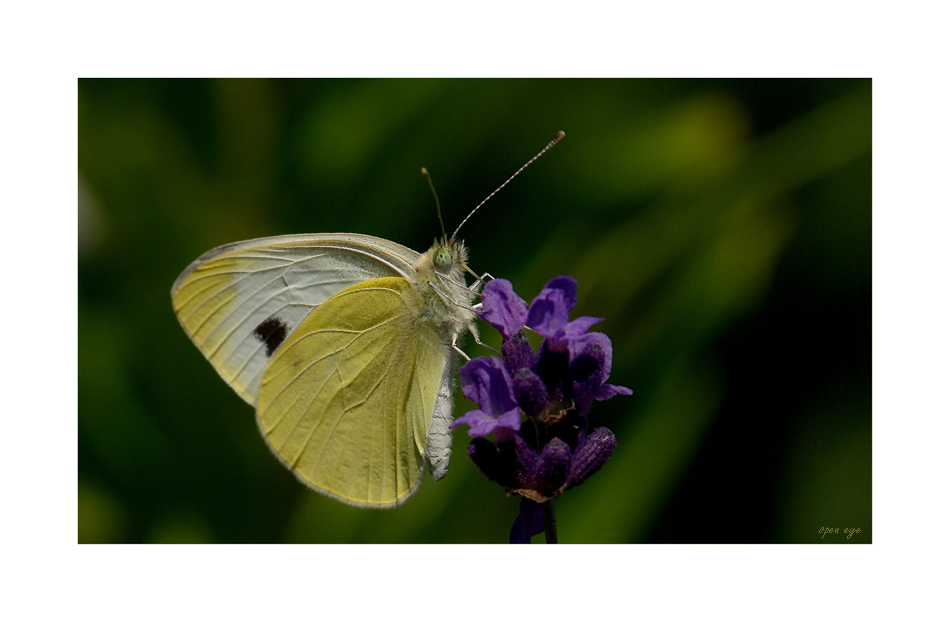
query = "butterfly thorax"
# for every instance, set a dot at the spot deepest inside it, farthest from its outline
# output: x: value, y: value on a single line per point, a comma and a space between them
x: 440, y: 281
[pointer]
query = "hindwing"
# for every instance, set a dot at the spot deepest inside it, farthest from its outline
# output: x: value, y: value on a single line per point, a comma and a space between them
x: 347, y: 400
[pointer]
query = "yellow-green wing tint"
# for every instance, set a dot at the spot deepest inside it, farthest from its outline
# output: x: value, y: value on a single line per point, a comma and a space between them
x: 239, y: 302
x: 346, y: 402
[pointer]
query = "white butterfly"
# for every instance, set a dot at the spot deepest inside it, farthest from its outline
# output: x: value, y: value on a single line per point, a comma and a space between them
x: 346, y: 346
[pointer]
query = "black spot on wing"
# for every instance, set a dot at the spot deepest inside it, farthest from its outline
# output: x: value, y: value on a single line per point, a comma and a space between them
x: 272, y: 332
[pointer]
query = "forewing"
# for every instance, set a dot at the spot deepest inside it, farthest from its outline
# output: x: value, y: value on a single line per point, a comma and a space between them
x: 347, y: 400
x: 239, y: 302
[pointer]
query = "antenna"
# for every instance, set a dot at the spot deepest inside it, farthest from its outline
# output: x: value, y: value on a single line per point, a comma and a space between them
x: 438, y: 208
x: 555, y: 141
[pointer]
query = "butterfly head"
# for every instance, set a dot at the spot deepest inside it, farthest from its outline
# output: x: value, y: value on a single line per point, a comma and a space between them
x: 448, y: 254
x: 442, y: 259
x: 440, y: 280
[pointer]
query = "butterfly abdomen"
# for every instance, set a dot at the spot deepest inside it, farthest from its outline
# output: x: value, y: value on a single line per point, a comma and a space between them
x: 439, y: 440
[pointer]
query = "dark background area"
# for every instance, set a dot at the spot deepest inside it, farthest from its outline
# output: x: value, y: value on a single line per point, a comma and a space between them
x: 722, y: 228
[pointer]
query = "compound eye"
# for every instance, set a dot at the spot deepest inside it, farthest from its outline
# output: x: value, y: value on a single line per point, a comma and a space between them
x: 442, y: 259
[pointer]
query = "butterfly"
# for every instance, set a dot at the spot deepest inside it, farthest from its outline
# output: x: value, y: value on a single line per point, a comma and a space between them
x: 346, y: 346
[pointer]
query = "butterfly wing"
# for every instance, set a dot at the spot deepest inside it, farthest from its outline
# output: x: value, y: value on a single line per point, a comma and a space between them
x: 348, y: 399
x: 239, y: 302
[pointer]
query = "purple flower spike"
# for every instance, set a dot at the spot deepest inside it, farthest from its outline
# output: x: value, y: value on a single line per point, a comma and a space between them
x: 548, y: 314
x: 552, y: 468
x: 591, y: 360
x: 609, y: 390
x: 524, y: 460
x: 530, y: 392
x: 485, y: 382
x: 553, y: 387
x: 518, y: 353
x: 502, y: 308
x: 591, y: 454
x: 497, y: 462
x: 541, y: 476
x: 530, y: 522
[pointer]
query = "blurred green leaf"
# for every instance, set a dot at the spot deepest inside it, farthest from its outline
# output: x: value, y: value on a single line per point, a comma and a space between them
x: 721, y: 228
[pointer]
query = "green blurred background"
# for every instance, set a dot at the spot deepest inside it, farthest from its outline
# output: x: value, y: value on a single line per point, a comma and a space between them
x: 722, y: 228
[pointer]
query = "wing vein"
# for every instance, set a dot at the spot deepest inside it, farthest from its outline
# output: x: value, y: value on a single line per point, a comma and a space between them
x: 342, y: 414
x: 295, y: 378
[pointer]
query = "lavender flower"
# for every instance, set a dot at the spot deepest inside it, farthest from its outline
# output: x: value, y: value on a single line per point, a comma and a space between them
x: 549, y: 311
x: 485, y: 382
x: 553, y: 388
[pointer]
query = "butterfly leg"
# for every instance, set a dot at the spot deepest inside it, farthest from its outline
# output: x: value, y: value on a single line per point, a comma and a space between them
x: 471, y: 329
x: 458, y: 349
x: 478, y: 279
x: 447, y: 298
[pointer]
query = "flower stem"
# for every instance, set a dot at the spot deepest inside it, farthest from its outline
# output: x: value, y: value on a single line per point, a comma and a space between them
x: 550, y: 527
